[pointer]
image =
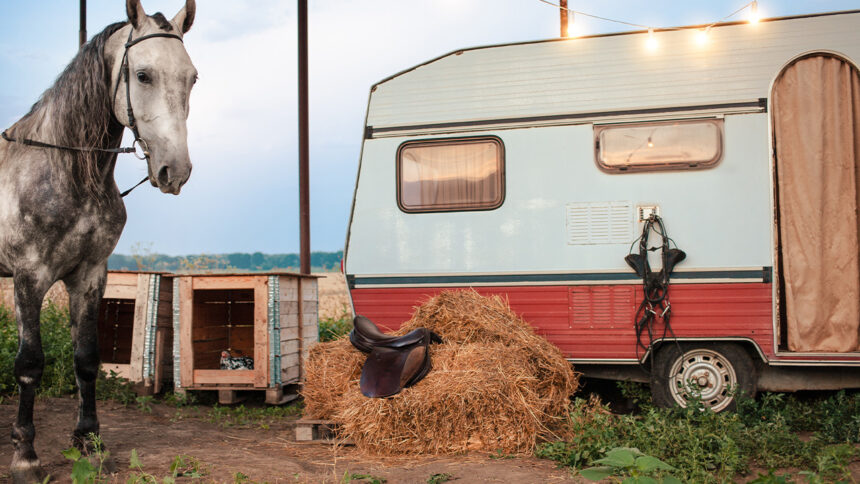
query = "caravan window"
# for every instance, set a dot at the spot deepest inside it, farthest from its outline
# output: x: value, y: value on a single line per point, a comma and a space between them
x: 686, y: 144
x: 450, y: 174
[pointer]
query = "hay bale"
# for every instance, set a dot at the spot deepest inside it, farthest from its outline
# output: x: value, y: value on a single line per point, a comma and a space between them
x: 330, y: 369
x: 495, y: 385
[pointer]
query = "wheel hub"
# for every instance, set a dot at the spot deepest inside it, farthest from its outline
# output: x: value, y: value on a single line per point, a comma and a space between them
x: 705, y: 374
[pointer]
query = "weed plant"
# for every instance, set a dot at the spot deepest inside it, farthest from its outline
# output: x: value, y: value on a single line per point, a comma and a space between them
x: 58, y: 377
x: 708, y: 447
x: 331, y: 329
x: 260, y: 417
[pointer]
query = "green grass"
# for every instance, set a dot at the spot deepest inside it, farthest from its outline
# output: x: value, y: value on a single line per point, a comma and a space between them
x: 331, y: 329
x: 59, y: 375
x: 708, y: 447
x: 260, y: 417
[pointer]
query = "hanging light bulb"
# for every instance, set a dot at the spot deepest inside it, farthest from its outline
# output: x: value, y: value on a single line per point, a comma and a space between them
x: 650, y: 142
x: 651, y: 43
x: 754, y: 15
x: 702, y: 35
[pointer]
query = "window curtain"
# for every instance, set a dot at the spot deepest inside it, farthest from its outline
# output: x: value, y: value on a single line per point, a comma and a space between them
x: 447, y: 176
x: 816, y: 104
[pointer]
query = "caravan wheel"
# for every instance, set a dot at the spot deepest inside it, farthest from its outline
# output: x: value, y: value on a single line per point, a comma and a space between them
x: 716, y: 373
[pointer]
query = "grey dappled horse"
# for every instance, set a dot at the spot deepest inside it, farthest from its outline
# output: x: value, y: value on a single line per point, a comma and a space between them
x: 61, y: 213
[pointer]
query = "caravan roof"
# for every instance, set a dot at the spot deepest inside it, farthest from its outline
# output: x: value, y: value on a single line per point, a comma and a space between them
x: 587, y: 79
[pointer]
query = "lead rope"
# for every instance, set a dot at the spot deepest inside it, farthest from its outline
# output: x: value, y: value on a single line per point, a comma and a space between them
x: 655, y: 286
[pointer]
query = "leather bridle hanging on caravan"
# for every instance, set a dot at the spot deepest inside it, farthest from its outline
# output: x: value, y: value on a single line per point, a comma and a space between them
x: 655, y: 285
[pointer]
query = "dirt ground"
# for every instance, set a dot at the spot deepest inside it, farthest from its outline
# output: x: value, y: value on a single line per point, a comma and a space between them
x: 264, y: 455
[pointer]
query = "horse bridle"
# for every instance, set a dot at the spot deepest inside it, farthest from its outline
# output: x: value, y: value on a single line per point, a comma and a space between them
x: 138, y: 141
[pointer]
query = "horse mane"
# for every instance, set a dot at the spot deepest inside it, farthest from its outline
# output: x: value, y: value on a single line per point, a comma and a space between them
x: 77, y: 111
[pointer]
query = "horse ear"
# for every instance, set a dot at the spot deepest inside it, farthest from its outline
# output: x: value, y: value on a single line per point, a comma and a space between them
x: 135, y: 12
x: 185, y: 17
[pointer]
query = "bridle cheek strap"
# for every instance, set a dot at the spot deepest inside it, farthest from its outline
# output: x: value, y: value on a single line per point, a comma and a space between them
x: 124, y: 74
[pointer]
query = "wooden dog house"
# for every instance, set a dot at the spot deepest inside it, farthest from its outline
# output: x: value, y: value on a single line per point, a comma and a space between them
x: 269, y: 317
x: 135, y: 328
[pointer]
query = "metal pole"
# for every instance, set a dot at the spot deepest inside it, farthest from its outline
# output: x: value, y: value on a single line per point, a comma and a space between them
x: 304, y: 142
x: 82, y: 33
x: 563, y: 13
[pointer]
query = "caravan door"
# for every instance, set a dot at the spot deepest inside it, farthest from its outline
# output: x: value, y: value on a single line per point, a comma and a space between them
x: 816, y: 128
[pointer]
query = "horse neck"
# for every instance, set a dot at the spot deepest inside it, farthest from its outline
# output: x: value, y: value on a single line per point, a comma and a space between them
x: 77, y: 111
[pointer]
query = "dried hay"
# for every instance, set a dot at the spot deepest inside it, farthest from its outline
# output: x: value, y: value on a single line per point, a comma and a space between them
x: 495, y: 385
x: 330, y: 369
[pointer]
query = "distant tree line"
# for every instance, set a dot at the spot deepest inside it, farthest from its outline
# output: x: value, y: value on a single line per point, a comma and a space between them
x: 239, y: 261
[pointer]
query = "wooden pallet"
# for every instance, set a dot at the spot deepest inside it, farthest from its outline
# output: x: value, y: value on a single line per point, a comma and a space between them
x: 310, y: 430
x: 229, y: 394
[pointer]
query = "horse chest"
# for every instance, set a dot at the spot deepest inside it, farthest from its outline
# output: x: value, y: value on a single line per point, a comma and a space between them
x: 57, y: 230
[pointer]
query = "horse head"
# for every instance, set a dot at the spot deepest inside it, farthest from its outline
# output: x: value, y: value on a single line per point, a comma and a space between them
x: 152, y: 79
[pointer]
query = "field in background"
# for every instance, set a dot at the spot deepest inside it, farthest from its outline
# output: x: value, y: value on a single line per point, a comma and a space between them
x: 333, y: 296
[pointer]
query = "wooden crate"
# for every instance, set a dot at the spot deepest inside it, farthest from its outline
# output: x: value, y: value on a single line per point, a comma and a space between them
x: 271, y: 318
x: 136, y: 330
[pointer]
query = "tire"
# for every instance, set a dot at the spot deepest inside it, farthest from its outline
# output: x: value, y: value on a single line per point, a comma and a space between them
x: 723, y: 371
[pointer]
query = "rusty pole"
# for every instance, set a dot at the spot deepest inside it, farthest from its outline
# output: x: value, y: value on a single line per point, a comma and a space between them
x: 304, y: 142
x: 562, y: 10
x: 82, y: 33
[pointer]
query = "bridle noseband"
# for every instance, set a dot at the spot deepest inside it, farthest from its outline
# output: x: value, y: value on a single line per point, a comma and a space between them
x: 138, y: 141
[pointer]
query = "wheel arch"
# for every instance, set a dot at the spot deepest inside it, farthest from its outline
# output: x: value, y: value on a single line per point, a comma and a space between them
x: 749, y: 345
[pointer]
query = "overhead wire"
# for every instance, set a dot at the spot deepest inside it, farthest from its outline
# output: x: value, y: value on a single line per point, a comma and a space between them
x: 648, y: 27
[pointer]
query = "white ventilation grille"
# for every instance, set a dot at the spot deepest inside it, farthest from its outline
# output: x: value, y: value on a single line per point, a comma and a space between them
x: 599, y: 223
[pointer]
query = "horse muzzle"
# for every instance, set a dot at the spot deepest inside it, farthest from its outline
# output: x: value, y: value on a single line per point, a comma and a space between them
x: 170, y: 177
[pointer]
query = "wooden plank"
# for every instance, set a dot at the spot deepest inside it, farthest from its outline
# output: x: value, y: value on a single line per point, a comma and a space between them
x: 289, y: 288
x: 165, y: 311
x: 122, y: 278
x: 115, y: 291
x: 165, y: 289
x: 301, y: 334
x: 289, y: 359
x: 204, y: 377
x: 122, y: 370
x: 141, y: 306
x: 186, y: 345
x: 158, y: 371
x: 261, y: 333
x: 226, y: 282
x: 228, y: 397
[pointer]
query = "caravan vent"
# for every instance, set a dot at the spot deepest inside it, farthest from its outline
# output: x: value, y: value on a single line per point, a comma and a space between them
x: 599, y: 223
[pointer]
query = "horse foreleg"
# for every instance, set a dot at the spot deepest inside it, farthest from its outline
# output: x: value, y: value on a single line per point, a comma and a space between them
x: 86, y: 287
x: 29, y: 362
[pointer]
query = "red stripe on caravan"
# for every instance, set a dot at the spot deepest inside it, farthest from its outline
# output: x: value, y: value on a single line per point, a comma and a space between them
x: 596, y: 322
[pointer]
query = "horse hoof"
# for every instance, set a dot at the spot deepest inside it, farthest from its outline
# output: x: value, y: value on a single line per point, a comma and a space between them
x: 27, y: 472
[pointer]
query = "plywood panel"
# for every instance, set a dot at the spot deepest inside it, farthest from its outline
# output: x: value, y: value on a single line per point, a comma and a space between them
x: 186, y: 304
x: 227, y: 282
x: 115, y: 324
x: 120, y: 292
x: 204, y: 377
x: 261, y: 334
x: 123, y: 371
x: 141, y: 308
x: 122, y: 278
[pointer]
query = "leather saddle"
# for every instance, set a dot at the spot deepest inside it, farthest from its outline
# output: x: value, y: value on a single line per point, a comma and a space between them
x: 393, y: 362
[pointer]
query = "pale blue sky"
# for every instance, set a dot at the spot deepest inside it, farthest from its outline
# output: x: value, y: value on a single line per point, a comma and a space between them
x: 242, y: 129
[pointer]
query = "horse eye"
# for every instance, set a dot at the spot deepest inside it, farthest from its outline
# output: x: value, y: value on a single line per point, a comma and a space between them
x: 143, y: 78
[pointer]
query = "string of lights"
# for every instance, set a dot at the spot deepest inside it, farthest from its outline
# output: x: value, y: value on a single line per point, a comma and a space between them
x: 752, y: 6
